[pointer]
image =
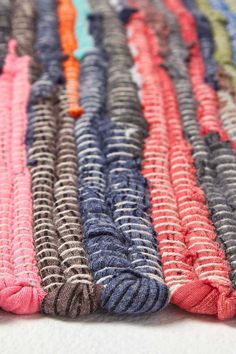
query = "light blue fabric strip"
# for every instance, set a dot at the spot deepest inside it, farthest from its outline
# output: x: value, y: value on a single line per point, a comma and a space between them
x: 84, y: 39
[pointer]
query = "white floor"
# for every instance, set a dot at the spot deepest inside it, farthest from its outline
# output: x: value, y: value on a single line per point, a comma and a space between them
x: 172, y: 331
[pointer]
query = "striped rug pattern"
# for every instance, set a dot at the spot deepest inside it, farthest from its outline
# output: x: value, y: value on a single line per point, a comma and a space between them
x: 118, y: 156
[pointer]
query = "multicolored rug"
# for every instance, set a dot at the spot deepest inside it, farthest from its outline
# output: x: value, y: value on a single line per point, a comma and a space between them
x: 117, y: 156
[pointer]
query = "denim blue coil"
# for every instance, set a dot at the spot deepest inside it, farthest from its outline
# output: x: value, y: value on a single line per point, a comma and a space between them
x: 30, y: 129
x: 114, y: 199
x: 48, y: 50
x: 5, y: 29
x: 221, y: 6
x: 206, y: 41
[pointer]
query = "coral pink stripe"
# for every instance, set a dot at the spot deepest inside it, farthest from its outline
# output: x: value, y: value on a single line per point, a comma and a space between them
x: 20, y: 289
x: 194, y: 266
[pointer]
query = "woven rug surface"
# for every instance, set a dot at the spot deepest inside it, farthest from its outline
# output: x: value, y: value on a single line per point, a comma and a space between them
x: 118, y: 156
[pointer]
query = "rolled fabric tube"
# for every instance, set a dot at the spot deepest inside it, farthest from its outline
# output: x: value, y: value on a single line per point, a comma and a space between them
x: 219, y: 150
x: 48, y: 50
x: 222, y: 165
x: 5, y: 29
x: 20, y: 283
x: 84, y: 39
x: 222, y: 7
x: 223, y: 48
x: 62, y: 260
x: 114, y: 198
x: 58, y: 234
x: 232, y: 5
x: 228, y: 113
x: 67, y: 18
x: 46, y: 69
x: 224, y: 88
x: 23, y: 26
x: 23, y: 31
x: 124, y: 9
x: 207, y: 45
x: 208, y: 110
x: 164, y: 142
x: 205, y: 275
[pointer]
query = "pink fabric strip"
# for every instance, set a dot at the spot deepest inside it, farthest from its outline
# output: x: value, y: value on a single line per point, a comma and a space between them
x: 20, y: 289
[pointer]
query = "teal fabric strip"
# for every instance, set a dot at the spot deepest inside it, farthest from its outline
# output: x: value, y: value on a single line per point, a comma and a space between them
x: 84, y: 39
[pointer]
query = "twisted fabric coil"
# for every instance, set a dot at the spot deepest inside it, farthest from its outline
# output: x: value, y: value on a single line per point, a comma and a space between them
x: 20, y: 289
x: 23, y: 26
x: 220, y: 198
x: 223, y: 55
x: 205, y: 270
x: 221, y: 6
x: 131, y: 205
x: 124, y: 9
x: 5, y: 29
x: 114, y: 198
x: 67, y: 18
x: 84, y: 38
x: 232, y: 5
x: 48, y: 50
x: 62, y: 260
x: 58, y: 235
x: 224, y: 88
